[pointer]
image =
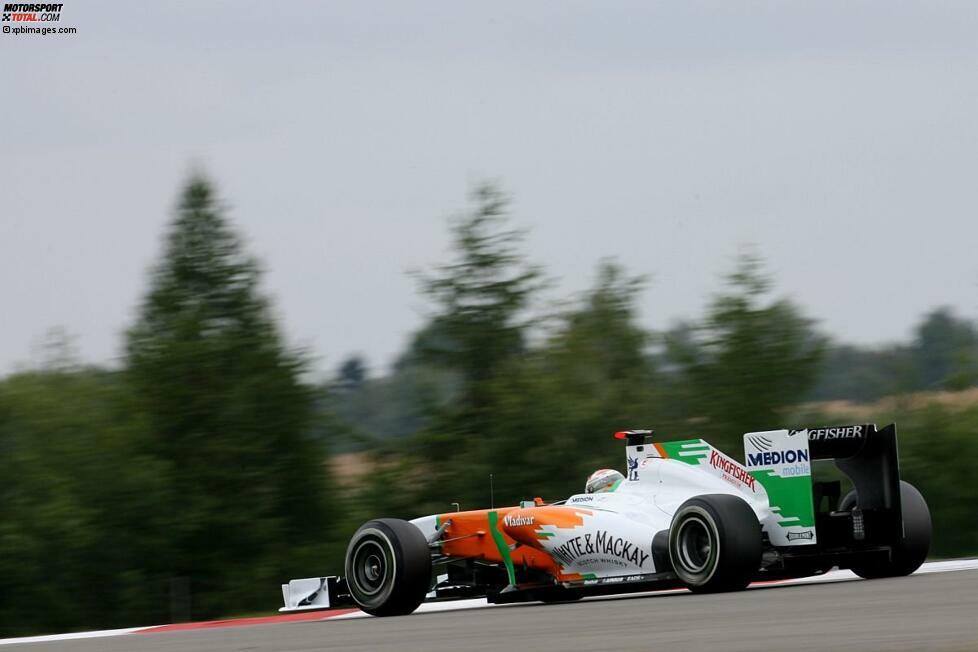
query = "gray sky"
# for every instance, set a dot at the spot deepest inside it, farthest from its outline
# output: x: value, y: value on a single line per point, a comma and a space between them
x: 838, y: 138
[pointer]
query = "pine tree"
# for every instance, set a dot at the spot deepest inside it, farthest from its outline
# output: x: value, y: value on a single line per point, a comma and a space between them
x: 227, y: 410
x: 750, y: 358
x: 479, y: 326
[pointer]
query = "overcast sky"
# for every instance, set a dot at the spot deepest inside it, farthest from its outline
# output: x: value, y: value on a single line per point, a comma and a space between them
x: 837, y: 138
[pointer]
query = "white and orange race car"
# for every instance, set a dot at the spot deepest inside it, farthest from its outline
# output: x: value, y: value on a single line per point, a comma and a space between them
x: 687, y: 515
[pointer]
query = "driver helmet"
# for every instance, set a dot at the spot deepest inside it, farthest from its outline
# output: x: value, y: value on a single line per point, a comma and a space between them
x: 603, y: 480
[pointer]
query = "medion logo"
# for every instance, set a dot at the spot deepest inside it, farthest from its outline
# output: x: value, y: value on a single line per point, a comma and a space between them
x: 777, y: 457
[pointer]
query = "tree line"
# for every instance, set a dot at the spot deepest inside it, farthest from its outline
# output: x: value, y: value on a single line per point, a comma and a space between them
x: 192, y: 480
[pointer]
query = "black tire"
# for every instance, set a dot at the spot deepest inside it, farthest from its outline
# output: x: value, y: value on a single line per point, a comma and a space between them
x: 911, y: 551
x: 715, y: 543
x: 388, y: 567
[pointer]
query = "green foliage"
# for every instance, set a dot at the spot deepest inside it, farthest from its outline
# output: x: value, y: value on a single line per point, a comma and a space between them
x: 228, y: 413
x: 943, y: 355
x: 557, y: 407
x: 747, y: 360
x: 481, y: 297
x: 860, y: 374
x: 938, y: 449
x: 478, y: 329
x: 945, y: 352
x: 202, y: 462
x: 80, y: 519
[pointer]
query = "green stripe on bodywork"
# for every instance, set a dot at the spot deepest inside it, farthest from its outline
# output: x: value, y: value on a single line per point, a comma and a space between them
x: 615, y: 486
x: 791, y: 496
x: 694, y: 449
x: 497, y: 536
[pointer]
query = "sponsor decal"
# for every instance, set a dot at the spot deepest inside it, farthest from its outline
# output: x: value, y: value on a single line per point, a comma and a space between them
x: 600, y: 543
x: 795, y: 536
x: 582, y: 499
x: 841, y: 432
x: 633, y: 468
x: 732, y: 469
x: 517, y: 521
x: 770, y: 458
x: 761, y: 443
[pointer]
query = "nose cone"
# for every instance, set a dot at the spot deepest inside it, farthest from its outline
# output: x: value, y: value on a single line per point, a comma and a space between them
x: 533, y: 525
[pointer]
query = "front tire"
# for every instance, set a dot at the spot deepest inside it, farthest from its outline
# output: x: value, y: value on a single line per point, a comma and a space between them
x: 715, y: 543
x: 388, y: 567
x: 910, y: 552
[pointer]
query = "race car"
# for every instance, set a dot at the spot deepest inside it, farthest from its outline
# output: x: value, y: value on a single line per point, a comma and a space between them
x: 686, y: 515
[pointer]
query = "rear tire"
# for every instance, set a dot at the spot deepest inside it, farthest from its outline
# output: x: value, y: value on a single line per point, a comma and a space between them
x: 911, y: 551
x: 388, y: 567
x: 715, y: 543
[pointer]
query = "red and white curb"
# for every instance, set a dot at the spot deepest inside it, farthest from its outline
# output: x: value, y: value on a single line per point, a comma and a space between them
x: 455, y: 605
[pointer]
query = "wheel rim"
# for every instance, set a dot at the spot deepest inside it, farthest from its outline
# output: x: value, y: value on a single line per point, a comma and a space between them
x: 370, y: 567
x: 694, y: 545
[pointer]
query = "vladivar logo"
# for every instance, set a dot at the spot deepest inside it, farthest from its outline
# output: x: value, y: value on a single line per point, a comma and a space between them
x: 34, y: 19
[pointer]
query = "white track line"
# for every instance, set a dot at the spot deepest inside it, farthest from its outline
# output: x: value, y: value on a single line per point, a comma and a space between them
x: 480, y: 603
x: 70, y: 637
x: 831, y: 576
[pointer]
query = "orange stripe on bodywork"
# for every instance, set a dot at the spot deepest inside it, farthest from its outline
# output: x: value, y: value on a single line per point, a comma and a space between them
x: 469, y: 537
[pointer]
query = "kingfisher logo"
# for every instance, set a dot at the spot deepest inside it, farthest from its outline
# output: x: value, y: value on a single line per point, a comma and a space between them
x: 770, y: 458
x: 844, y: 432
x: 731, y: 469
x: 31, y: 13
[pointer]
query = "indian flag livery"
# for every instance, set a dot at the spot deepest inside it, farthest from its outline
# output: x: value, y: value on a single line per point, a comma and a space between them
x: 780, y: 460
x: 778, y: 468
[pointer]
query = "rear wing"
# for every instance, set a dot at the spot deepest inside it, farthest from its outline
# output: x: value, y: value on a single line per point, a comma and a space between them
x: 869, y: 458
x: 865, y: 454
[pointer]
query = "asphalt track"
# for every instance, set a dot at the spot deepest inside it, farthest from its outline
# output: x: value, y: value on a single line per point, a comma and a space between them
x: 923, y: 612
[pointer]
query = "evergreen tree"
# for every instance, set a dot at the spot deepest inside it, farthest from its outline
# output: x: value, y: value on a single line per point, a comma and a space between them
x: 478, y: 327
x: 351, y: 375
x: 945, y: 351
x: 228, y: 412
x: 481, y: 297
x: 558, y: 406
x: 746, y: 361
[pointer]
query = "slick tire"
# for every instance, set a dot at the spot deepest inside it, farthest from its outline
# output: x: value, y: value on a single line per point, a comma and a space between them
x: 388, y: 567
x: 911, y: 551
x: 715, y: 543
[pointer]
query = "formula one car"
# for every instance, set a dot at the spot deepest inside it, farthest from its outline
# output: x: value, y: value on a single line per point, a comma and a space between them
x: 686, y: 516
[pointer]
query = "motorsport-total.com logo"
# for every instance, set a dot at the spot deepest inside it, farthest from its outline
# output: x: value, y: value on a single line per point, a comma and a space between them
x: 31, y: 13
